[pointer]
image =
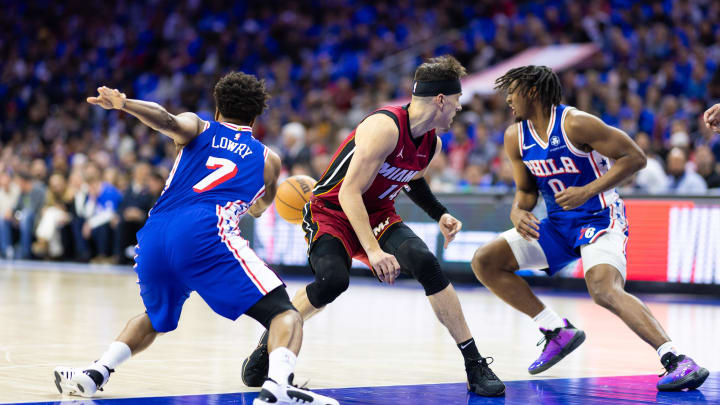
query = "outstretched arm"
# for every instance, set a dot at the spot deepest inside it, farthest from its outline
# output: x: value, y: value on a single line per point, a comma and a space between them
x: 182, y: 128
x: 590, y: 132
x: 270, y: 174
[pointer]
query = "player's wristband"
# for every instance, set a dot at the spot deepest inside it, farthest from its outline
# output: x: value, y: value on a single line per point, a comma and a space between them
x: 419, y: 192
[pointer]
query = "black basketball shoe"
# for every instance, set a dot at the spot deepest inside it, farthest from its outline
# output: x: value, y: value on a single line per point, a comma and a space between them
x: 482, y: 380
x: 255, y: 367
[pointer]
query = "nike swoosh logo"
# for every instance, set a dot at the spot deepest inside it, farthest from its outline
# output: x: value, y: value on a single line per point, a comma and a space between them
x: 524, y: 148
x: 466, y: 345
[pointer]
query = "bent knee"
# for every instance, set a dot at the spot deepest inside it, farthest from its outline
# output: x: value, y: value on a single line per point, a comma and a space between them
x: 605, y: 299
x: 483, y: 263
x: 325, y: 289
x: 290, y: 318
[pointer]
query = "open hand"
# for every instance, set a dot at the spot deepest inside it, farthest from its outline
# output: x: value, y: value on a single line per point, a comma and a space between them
x: 712, y: 118
x: 108, y: 98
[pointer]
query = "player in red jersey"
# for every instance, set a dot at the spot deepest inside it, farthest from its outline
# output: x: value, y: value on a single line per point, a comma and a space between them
x: 352, y: 214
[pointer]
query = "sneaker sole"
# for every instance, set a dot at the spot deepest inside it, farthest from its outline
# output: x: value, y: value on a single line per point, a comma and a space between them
x: 487, y: 394
x: 576, y: 341
x: 67, y: 387
x: 690, y: 381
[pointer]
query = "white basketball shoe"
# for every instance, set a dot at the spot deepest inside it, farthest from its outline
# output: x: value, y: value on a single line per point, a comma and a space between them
x: 83, y: 382
x: 280, y: 394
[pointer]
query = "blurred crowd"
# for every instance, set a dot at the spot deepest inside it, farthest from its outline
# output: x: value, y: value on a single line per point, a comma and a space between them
x: 77, y: 181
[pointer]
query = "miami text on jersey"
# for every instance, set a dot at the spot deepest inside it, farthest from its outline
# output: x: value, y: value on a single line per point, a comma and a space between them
x: 396, y: 174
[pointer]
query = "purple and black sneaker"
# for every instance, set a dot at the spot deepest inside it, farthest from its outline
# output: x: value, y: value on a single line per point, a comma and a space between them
x: 681, y: 372
x: 559, y: 342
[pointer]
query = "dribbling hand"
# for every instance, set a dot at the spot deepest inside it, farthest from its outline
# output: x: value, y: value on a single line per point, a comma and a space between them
x: 385, y: 265
x: 108, y: 98
x: 525, y: 223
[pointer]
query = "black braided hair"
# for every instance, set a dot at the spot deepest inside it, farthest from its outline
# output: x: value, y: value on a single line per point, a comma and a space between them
x: 537, y: 82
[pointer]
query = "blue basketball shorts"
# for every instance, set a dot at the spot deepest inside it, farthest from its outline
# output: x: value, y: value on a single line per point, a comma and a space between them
x: 198, y: 250
x: 597, y: 239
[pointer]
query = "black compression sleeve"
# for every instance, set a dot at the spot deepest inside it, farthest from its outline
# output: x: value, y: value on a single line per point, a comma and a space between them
x: 419, y: 192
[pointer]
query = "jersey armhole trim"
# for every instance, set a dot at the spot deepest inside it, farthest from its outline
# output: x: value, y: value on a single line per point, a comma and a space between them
x: 391, y: 115
x: 521, y: 138
x: 433, y: 148
x: 572, y: 148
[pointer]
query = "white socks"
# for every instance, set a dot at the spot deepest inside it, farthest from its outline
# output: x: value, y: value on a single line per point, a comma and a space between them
x: 548, y: 319
x: 667, y: 347
x: 115, y: 355
x: 282, y: 364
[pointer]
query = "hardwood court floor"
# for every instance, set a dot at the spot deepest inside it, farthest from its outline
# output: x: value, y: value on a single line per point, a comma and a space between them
x: 373, y: 335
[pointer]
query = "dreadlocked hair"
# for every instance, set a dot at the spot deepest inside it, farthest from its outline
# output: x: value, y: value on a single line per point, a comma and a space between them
x: 536, y: 82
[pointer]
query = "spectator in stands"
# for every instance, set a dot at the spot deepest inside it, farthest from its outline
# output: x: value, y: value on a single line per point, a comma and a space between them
x: 503, y: 180
x: 705, y: 166
x: 30, y: 201
x: 483, y: 149
x: 475, y: 177
x: 294, y: 150
x: 9, y: 194
x: 657, y: 63
x: 95, y: 205
x: 156, y: 184
x: 132, y: 212
x: 459, y: 147
x: 441, y: 176
x: 54, y: 216
x: 681, y: 179
x: 652, y: 178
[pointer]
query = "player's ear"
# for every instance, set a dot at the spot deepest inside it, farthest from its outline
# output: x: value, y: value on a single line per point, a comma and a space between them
x: 532, y: 93
x: 440, y: 100
x: 217, y: 114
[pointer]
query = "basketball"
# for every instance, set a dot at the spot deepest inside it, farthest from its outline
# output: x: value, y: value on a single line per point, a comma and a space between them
x: 292, y: 194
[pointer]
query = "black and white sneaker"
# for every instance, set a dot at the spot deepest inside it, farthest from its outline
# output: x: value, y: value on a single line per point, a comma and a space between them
x: 280, y: 394
x: 82, y: 382
x: 255, y: 366
x: 482, y: 380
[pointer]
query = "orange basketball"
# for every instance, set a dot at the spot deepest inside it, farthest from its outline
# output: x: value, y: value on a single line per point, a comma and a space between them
x: 292, y: 194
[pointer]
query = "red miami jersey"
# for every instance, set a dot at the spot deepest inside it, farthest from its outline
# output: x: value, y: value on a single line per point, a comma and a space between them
x: 410, y: 156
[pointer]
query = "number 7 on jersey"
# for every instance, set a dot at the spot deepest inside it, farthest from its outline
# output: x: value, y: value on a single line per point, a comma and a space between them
x: 224, y: 170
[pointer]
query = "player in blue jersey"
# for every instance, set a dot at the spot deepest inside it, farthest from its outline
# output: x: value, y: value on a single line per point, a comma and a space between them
x: 575, y: 161
x: 191, y: 240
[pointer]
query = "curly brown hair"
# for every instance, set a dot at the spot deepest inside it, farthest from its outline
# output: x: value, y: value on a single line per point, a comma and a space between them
x: 444, y: 67
x: 240, y: 96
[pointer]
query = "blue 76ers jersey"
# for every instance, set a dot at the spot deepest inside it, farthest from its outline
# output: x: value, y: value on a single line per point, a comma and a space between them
x: 223, y: 166
x: 558, y: 164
